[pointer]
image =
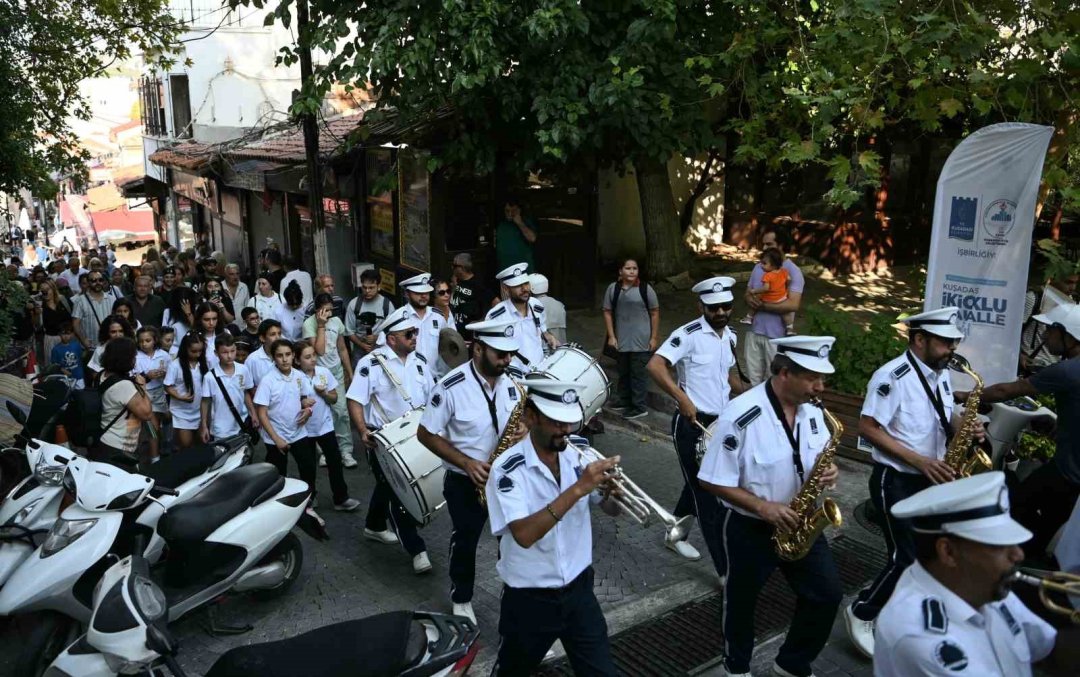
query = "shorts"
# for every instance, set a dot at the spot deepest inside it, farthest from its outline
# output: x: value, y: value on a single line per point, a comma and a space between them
x: 159, y: 403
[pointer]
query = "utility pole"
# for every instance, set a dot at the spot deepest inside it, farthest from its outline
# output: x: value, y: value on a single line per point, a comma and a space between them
x: 310, y: 124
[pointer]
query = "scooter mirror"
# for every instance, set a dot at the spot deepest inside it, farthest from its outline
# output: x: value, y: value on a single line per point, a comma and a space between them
x: 160, y: 640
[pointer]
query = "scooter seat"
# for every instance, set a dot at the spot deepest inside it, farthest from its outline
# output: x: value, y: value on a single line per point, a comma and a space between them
x: 172, y: 471
x: 225, y: 498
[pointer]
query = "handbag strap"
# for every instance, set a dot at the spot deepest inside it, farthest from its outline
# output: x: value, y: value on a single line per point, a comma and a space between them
x: 228, y: 400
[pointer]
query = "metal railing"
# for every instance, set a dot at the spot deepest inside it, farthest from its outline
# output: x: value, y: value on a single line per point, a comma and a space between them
x: 204, y: 13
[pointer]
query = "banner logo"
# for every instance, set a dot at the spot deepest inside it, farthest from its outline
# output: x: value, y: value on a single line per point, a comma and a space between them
x: 998, y: 220
x: 962, y: 218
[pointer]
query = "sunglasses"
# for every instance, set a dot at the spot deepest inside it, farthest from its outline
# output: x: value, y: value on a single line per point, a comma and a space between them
x: 713, y: 307
x: 408, y: 333
x: 92, y: 280
x: 442, y: 292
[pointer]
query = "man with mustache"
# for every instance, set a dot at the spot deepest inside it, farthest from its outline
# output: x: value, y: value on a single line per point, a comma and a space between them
x: 952, y: 612
x: 906, y: 425
x: 545, y: 538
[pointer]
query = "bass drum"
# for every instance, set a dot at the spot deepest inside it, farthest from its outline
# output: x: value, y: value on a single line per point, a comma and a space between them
x: 570, y: 363
x: 414, y: 473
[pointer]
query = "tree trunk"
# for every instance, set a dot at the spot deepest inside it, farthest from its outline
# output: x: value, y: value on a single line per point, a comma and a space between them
x: 666, y: 254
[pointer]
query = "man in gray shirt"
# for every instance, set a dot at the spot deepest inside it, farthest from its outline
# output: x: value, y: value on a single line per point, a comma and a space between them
x: 364, y: 312
x: 768, y: 320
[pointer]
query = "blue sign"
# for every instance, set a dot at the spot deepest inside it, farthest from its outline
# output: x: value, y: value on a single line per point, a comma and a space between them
x: 962, y: 218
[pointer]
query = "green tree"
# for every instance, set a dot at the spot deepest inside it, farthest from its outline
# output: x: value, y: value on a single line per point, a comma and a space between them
x: 47, y: 47
x: 555, y: 81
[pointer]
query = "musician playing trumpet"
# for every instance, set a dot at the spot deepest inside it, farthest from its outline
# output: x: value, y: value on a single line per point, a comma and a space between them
x: 764, y: 448
x: 465, y: 417
x: 535, y: 497
x: 389, y: 381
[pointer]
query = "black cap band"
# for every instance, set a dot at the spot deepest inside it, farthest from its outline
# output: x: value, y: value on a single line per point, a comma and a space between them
x: 801, y: 351
x: 396, y: 322
x: 934, y: 523
x: 919, y: 323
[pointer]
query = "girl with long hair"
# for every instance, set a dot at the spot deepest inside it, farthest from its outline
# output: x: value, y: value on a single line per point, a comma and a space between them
x: 183, y: 383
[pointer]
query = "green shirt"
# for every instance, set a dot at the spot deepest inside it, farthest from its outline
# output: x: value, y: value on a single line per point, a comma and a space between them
x: 511, y: 246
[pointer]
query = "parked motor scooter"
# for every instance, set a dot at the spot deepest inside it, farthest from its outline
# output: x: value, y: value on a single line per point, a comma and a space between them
x: 129, y: 634
x: 1007, y: 420
x: 114, y: 514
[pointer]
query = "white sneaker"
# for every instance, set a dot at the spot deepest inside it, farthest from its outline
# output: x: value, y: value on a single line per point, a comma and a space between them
x: 322, y: 461
x: 684, y: 549
x: 860, y: 632
x: 385, y: 536
x: 421, y: 564
x: 466, y: 611
x: 349, y: 505
x: 348, y: 461
x: 781, y: 672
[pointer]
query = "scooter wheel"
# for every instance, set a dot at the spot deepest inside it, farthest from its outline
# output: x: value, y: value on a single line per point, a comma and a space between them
x: 43, y: 637
x: 289, y: 552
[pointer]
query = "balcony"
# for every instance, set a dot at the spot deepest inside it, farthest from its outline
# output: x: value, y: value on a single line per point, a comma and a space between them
x: 199, y: 14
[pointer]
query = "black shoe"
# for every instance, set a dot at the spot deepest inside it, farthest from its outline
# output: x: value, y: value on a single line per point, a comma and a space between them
x: 632, y: 414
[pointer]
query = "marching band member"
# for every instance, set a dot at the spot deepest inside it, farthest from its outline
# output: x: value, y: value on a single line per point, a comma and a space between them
x: 952, y: 611
x: 545, y: 539
x: 906, y: 425
x: 466, y: 414
x: 374, y: 400
x: 418, y: 294
x: 764, y: 444
x: 703, y: 354
x: 526, y: 313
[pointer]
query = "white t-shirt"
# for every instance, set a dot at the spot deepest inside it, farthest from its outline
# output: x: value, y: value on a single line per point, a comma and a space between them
x: 292, y: 322
x: 258, y: 364
x: 322, y: 417
x: 266, y: 305
x: 144, y: 363
x: 174, y: 378
x: 124, y: 434
x: 281, y: 395
x: 222, y: 421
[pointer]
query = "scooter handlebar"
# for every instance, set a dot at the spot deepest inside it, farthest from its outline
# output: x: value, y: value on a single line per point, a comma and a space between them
x: 159, y: 490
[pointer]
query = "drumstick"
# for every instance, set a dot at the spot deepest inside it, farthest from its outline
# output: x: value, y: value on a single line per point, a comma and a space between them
x: 703, y: 428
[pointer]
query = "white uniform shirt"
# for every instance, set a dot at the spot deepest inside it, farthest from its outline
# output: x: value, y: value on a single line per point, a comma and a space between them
x: 926, y: 629
x: 211, y: 350
x: 521, y: 485
x: 258, y: 363
x: 174, y: 378
x: 458, y: 411
x: 239, y: 301
x: 292, y: 322
x: 322, y: 416
x: 370, y: 383
x: 144, y: 363
x: 702, y: 359
x: 750, y: 450
x: 895, y: 398
x: 529, y: 330
x: 222, y: 421
x: 281, y: 395
x: 427, y: 335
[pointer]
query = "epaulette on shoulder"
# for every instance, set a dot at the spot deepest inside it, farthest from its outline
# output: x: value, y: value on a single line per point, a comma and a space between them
x: 452, y: 380
x: 901, y: 370
x: 537, y: 306
x: 421, y: 357
x: 692, y: 327
x: 515, y: 372
x: 501, y: 310
x: 934, y: 618
x: 513, y: 462
x: 748, y: 417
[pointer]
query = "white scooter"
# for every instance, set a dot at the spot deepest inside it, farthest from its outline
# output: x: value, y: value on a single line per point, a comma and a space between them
x: 33, y: 505
x: 129, y: 635
x: 112, y: 516
x: 1007, y: 420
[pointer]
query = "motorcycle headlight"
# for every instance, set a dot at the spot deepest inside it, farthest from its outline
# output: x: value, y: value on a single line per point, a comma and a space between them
x: 48, y: 474
x: 20, y: 517
x: 149, y: 598
x: 64, y: 533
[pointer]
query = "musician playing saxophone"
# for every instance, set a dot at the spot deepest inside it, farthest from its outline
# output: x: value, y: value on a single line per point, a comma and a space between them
x: 535, y: 496
x: 906, y: 425
x: 389, y: 381
x: 763, y: 448
x: 465, y: 417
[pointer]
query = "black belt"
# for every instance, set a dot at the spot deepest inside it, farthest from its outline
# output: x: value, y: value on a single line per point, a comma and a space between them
x: 558, y: 592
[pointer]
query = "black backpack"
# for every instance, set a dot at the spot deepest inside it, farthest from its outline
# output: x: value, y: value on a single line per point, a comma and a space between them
x: 82, y: 419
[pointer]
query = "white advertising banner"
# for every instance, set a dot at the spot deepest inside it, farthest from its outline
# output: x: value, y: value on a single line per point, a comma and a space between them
x: 984, y: 213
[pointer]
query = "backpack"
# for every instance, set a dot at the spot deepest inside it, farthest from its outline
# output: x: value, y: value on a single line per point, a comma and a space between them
x: 359, y: 304
x: 82, y: 419
x: 618, y: 290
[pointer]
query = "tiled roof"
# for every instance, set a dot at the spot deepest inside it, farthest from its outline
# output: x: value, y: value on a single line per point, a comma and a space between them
x: 191, y: 155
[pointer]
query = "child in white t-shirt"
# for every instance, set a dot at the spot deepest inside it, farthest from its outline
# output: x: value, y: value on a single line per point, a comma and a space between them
x: 153, y: 363
x: 320, y: 427
x: 218, y: 420
x: 283, y: 404
x: 183, y: 383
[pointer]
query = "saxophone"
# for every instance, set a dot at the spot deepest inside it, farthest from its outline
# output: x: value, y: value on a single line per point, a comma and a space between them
x: 794, y: 545
x: 963, y: 455
x: 505, y: 442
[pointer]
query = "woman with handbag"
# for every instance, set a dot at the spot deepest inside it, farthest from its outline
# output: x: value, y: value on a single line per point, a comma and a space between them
x: 632, y: 319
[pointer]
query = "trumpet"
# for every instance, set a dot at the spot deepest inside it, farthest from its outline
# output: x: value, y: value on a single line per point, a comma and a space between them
x: 1052, y: 582
x: 635, y: 502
